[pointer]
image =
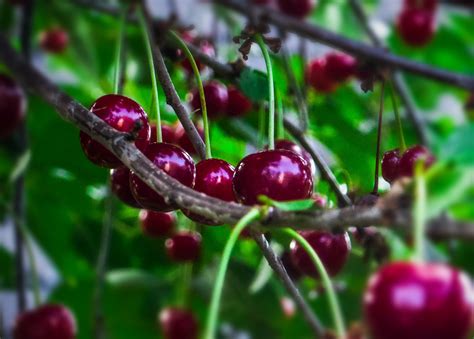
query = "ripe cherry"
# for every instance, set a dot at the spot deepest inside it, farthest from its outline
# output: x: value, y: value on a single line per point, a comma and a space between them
x: 317, y: 77
x: 184, y: 246
x: 418, y: 300
x: 416, y: 26
x: 332, y: 249
x: 174, y: 162
x: 178, y: 323
x: 390, y: 163
x: 214, y: 178
x: 182, y: 139
x: 120, y: 185
x: 46, y: 322
x: 340, y: 66
x: 167, y: 133
x: 238, y: 103
x: 406, y: 166
x: 216, y: 99
x: 156, y: 224
x: 296, y: 8
x: 291, y: 146
x: 54, y: 40
x: 12, y: 105
x: 123, y: 114
x: 279, y: 174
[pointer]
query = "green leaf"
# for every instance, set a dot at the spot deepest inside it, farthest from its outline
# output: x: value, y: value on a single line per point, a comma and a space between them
x: 254, y: 84
x: 288, y: 206
x: 458, y: 146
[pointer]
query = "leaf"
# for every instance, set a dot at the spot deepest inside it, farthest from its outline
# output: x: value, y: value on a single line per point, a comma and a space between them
x: 21, y: 165
x: 126, y: 278
x: 264, y: 271
x: 288, y: 206
x: 458, y: 146
x: 254, y: 84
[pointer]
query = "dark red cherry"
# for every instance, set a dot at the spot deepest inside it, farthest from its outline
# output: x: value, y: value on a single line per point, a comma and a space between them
x: 416, y: 26
x: 123, y: 114
x: 182, y: 139
x: 184, y: 246
x: 12, y: 105
x: 390, y: 162
x: 120, y: 185
x: 216, y: 99
x: 290, y: 267
x: 167, y: 133
x: 45, y: 322
x: 332, y: 249
x: 279, y: 174
x: 238, y: 103
x: 296, y: 8
x: 418, y: 300
x: 54, y: 40
x: 173, y: 161
x: 178, y: 323
x: 205, y: 46
x: 410, y: 157
x: 317, y: 77
x: 291, y: 146
x: 421, y: 4
x: 340, y: 66
x: 214, y: 178
x: 156, y: 224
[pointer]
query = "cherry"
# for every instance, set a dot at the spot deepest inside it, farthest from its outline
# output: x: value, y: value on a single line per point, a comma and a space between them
x: 184, y: 246
x: 296, y: 8
x: 182, y: 139
x: 418, y: 300
x: 291, y: 146
x: 279, y: 174
x: 317, y: 77
x: 421, y: 4
x: 12, y: 105
x: 54, y: 40
x: 238, y: 103
x: 214, y: 178
x: 410, y: 157
x: 390, y: 164
x: 123, y: 114
x: 167, y: 133
x: 332, y: 249
x: 46, y: 322
x: 340, y: 66
x: 174, y: 162
x: 156, y: 224
x: 290, y: 267
x: 120, y: 185
x: 416, y: 26
x: 178, y: 323
x: 216, y: 99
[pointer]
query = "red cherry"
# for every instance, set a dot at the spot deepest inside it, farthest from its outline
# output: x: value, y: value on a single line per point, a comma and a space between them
x: 332, y: 249
x: 416, y: 26
x: 421, y: 4
x: 123, y: 114
x: 120, y: 185
x: 156, y: 224
x: 174, y: 162
x: 214, y: 178
x: 418, y: 300
x: 12, y: 105
x: 167, y: 133
x: 205, y: 47
x: 184, y: 246
x: 290, y: 267
x: 178, y: 323
x: 54, y: 40
x: 238, y: 103
x: 216, y: 99
x: 182, y: 139
x: 317, y: 77
x: 296, y: 8
x: 291, y: 146
x: 406, y: 166
x: 390, y: 164
x: 340, y: 66
x: 279, y: 174
x: 46, y: 322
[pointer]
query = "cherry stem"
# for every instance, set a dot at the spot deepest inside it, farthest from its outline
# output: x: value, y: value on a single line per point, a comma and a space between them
x: 325, y: 280
x: 33, y: 267
x: 280, y: 128
x: 379, y: 138
x: 211, y: 323
x: 401, y: 138
x: 261, y: 127
x: 271, y: 92
x: 419, y: 211
x: 119, y: 53
x: 151, y: 64
x: 202, y: 97
x: 186, y: 276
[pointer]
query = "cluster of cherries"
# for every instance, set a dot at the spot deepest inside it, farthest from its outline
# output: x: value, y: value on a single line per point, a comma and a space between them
x: 416, y: 22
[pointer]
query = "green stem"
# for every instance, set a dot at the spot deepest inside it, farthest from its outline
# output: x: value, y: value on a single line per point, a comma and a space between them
x: 186, y: 277
x: 326, y: 281
x: 154, y: 83
x: 280, y: 128
x: 271, y: 92
x: 261, y: 127
x: 419, y: 212
x: 379, y: 140
x: 34, y: 270
x: 211, y: 323
x: 118, y: 52
x: 181, y: 44
x: 401, y: 138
